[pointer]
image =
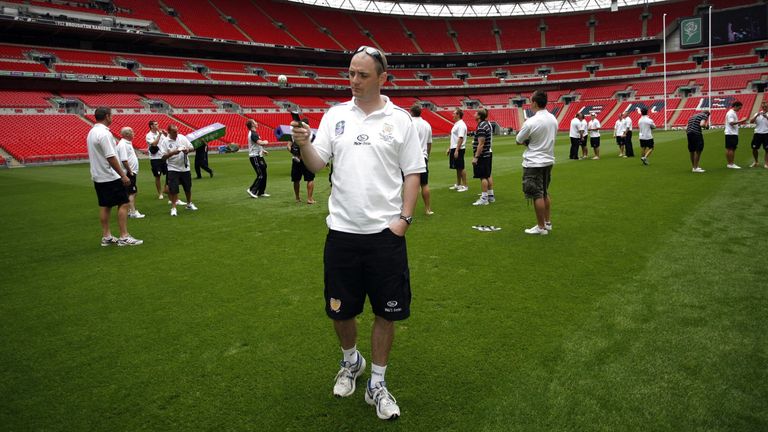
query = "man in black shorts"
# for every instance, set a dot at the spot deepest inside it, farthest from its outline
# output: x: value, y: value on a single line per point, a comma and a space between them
x: 760, y: 138
x: 696, y: 138
x: 109, y: 180
x: 156, y: 162
x: 482, y: 160
x: 299, y: 170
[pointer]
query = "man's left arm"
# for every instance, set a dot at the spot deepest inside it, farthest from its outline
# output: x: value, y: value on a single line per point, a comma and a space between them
x: 411, y: 185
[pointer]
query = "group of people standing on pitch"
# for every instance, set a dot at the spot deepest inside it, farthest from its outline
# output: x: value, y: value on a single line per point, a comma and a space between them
x: 482, y: 154
x: 586, y: 125
x: 701, y: 121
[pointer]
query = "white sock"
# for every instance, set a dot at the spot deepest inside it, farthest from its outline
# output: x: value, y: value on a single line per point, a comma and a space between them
x: 377, y: 374
x: 484, y: 196
x: 350, y: 355
x: 490, y: 192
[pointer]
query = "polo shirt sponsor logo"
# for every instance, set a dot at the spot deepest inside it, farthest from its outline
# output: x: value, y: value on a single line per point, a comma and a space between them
x: 340, y: 127
x: 362, y: 139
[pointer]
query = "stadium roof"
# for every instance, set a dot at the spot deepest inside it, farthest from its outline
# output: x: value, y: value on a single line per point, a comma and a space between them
x: 465, y: 9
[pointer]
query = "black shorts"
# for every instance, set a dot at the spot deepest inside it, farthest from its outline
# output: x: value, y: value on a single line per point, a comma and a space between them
x: 594, y: 142
x: 159, y: 167
x: 619, y: 141
x: 536, y: 182
x: 176, y: 178
x: 299, y: 170
x: 458, y: 163
x: 760, y: 139
x: 695, y: 142
x: 372, y: 265
x: 731, y: 142
x: 425, y: 175
x: 646, y: 143
x: 483, y: 168
x: 131, y: 189
x: 111, y: 194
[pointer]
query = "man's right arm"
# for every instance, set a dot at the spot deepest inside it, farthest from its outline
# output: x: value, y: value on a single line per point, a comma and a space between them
x: 116, y: 166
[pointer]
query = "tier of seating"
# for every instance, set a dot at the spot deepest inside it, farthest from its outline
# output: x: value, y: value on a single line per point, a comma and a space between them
x: 282, y: 23
x: 34, y: 142
x: 599, y: 108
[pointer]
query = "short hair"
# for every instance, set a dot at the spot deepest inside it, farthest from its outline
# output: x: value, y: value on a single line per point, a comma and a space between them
x: 416, y: 110
x: 152, y: 122
x: 482, y: 113
x: 378, y: 56
x: 644, y: 111
x: 125, y: 131
x: 250, y: 123
x: 101, y: 113
x: 173, y: 127
x: 736, y: 104
x: 459, y: 112
x: 539, y: 98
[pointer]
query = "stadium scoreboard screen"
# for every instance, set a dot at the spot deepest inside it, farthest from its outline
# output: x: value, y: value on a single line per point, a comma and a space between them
x: 728, y: 26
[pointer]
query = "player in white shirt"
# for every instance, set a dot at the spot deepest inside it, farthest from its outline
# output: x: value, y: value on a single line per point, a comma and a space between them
x: 157, y: 164
x: 425, y: 137
x: 618, y: 131
x: 457, y: 149
x: 538, y: 135
x: 645, y: 127
x: 377, y: 160
x: 629, y: 150
x: 175, y: 150
x: 576, y: 134
x: 593, y: 128
x: 760, y: 138
x: 109, y: 180
x: 583, y: 127
x: 127, y: 156
x: 732, y: 124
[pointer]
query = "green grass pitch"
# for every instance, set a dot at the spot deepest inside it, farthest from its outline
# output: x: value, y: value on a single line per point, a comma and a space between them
x: 645, y: 310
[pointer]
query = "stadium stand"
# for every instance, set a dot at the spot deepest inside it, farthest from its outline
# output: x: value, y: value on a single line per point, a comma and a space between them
x: 254, y: 23
x: 95, y: 70
x: 600, y: 92
x: 140, y: 125
x: 22, y: 66
x: 342, y: 27
x: 654, y: 88
x: 150, y: 10
x: 566, y: 30
x: 388, y: 33
x: 35, y: 143
x: 112, y: 100
x: 728, y: 82
x: 184, y: 101
x: 474, y: 35
x: 204, y: 19
x: 517, y: 33
x: 505, y: 117
x: 431, y: 34
x: 718, y: 106
x: 172, y: 74
x: 24, y: 99
x: 249, y: 101
x: 623, y: 24
x: 599, y: 108
x: 297, y: 24
x: 655, y: 110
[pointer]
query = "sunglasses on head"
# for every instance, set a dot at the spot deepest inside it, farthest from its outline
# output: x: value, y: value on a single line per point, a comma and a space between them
x: 373, y: 52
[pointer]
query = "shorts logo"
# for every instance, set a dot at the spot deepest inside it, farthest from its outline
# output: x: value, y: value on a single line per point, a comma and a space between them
x: 362, y: 139
x: 335, y: 304
x: 391, y: 303
x: 340, y: 128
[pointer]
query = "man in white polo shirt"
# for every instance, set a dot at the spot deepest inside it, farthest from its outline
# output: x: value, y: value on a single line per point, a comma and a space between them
x: 157, y: 164
x: 127, y: 156
x: 538, y: 135
x: 593, y: 127
x: 645, y: 127
x: 619, y: 129
x: 377, y: 160
x: 425, y: 137
x: 760, y: 138
x: 457, y: 149
x: 175, y: 150
x: 109, y: 179
x: 732, y: 124
x: 576, y: 134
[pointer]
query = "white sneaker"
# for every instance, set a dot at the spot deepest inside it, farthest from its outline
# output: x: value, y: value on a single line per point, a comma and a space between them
x: 462, y: 189
x: 754, y: 164
x: 347, y: 375
x: 160, y: 196
x: 454, y: 187
x: 480, y: 202
x: 191, y: 206
x: 382, y: 399
x: 733, y: 166
x: 491, y: 198
x: 178, y: 202
x: 535, y: 230
x: 548, y: 226
x: 699, y: 170
x: 596, y: 158
x: 253, y: 195
x: 136, y: 215
x: 129, y: 241
x: 265, y: 195
x: 173, y: 212
x: 108, y: 241
x: 765, y: 166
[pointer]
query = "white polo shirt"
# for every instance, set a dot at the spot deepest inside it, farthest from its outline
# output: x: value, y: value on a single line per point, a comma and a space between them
x: 425, y: 134
x: 541, y: 130
x: 178, y: 162
x: 151, y: 137
x: 761, y: 124
x: 101, y: 146
x: 583, y: 127
x: 575, y: 128
x: 646, y: 125
x: 369, y: 153
x: 619, y: 128
x: 731, y: 116
x: 594, y: 124
x: 459, y: 130
x: 628, y: 124
x: 125, y: 152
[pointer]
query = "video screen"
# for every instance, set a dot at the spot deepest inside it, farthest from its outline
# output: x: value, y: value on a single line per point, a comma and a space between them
x: 739, y: 25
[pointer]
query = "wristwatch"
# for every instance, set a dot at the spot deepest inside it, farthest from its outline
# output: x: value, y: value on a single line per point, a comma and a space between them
x: 407, y: 219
